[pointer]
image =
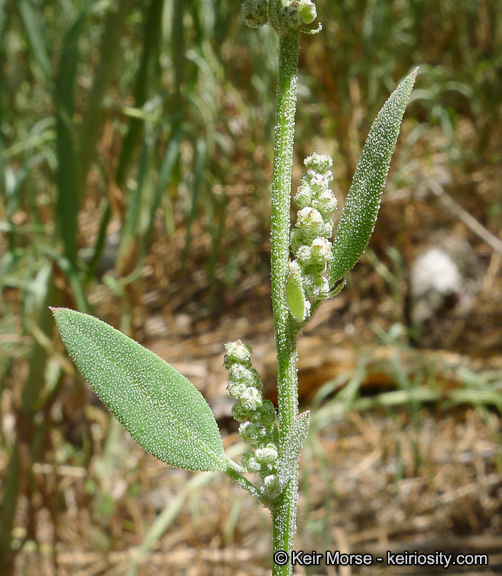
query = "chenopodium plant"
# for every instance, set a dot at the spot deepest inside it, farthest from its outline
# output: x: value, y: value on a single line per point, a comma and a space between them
x: 160, y: 408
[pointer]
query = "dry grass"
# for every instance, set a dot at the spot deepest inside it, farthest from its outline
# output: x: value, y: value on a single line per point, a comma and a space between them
x: 364, y: 488
x: 387, y: 479
x: 428, y: 478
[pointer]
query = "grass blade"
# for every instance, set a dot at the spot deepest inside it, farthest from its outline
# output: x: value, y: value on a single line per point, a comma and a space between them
x: 32, y: 25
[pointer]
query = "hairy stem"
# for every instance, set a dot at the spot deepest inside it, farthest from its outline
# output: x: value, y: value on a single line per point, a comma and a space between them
x: 284, y: 511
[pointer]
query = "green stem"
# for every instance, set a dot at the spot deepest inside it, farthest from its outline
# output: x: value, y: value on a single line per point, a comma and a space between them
x: 284, y: 510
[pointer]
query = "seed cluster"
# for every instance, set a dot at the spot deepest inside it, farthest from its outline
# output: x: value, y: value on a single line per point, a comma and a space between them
x: 310, y: 239
x: 256, y: 415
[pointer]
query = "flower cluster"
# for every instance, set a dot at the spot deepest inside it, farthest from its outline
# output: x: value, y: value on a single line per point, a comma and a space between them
x: 256, y: 415
x: 300, y: 12
x: 310, y: 239
x: 255, y: 13
x: 285, y: 15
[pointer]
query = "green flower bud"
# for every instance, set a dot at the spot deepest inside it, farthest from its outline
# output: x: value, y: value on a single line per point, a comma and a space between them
x: 251, y: 399
x: 236, y: 389
x: 309, y: 262
x: 307, y: 11
x: 293, y: 15
x: 313, y: 224
x: 309, y: 219
x: 318, y: 162
x: 268, y: 455
x: 241, y: 374
x: 256, y: 434
x: 267, y: 413
x: 298, y: 238
x: 326, y: 203
x: 249, y: 462
x: 304, y: 256
x: 271, y: 485
x: 250, y: 432
x: 237, y: 352
x: 317, y: 181
x: 303, y: 196
x: 255, y: 13
x: 315, y: 286
x: 321, y: 251
x: 241, y: 413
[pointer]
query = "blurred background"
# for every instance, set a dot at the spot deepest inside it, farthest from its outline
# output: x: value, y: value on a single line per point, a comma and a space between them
x: 136, y: 155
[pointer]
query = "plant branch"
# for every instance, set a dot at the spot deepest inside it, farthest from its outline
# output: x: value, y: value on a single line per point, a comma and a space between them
x: 246, y: 484
x: 284, y: 510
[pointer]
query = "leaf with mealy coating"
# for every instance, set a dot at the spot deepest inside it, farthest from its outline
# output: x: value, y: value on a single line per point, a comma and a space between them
x: 290, y: 450
x: 161, y: 409
x: 363, y: 200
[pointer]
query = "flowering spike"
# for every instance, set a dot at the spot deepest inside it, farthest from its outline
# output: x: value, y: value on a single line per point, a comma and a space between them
x: 310, y: 239
x: 257, y: 416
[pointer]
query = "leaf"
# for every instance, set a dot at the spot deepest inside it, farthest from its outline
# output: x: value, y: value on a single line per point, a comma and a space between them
x: 67, y: 175
x: 290, y: 450
x: 35, y: 29
x: 363, y: 200
x: 295, y: 296
x: 161, y: 409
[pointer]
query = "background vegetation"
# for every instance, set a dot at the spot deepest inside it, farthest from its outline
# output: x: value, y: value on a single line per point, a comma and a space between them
x: 136, y: 159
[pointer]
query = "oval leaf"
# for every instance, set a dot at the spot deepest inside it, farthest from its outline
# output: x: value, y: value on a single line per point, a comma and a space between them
x: 363, y: 200
x: 295, y: 296
x: 161, y: 409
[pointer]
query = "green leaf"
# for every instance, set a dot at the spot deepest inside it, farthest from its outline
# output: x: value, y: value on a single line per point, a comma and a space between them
x: 290, y: 450
x: 67, y: 175
x: 295, y: 296
x: 161, y: 409
x: 363, y: 200
x: 36, y: 34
